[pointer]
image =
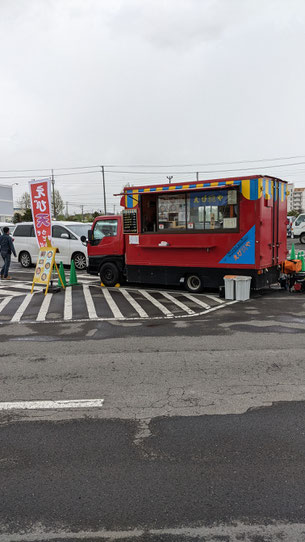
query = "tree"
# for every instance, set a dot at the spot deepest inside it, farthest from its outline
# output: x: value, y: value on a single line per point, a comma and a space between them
x: 17, y: 217
x: 293, y: 213
x: 59, y: 204
x: 25, y: 201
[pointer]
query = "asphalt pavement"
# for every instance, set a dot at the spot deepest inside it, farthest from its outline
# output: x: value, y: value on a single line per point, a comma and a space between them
x: 198, y: 435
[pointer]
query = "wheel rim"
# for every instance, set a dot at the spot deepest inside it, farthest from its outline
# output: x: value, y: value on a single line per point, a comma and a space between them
x: 194, y: 282
x: 25, y: 260
x: 80, y: 261
x: 108, y: 274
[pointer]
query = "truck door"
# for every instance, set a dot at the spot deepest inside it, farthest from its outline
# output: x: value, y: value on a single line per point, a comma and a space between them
x: 105, y: 238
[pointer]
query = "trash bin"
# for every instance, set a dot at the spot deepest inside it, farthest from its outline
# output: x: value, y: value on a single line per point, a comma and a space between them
x: 229, y: 286
x: 242, y: 288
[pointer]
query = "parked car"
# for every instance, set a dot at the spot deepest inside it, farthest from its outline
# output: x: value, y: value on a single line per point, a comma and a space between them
x: 298, y: 228
x: 65, y: 236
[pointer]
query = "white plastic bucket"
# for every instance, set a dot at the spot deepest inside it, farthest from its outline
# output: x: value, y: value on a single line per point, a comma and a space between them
x: 229, y: 286
x: 242, y: 288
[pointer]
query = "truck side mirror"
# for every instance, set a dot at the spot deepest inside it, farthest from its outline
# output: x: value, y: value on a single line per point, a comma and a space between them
x: 90, y: 236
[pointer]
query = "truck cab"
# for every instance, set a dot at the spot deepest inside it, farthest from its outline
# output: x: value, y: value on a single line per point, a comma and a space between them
x: 298, y: 228
x: 106, y: 249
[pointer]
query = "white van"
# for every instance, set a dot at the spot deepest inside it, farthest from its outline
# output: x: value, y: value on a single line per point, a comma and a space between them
x: 65, y: 236
x: 298, y: 228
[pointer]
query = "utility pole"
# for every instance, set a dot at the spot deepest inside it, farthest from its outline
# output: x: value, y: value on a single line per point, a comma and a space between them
x: 67, y: 209
x: 169, y: 177
x: 82, y: 208
x: 114, y: 209
x: 197, y: 175
x: 53, y: 193
x: 104, y: 189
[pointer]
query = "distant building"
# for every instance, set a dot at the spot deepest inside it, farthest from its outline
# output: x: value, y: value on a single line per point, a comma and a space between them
x: 290, y: 188
x: 298, y: 199
x: 6, y: 203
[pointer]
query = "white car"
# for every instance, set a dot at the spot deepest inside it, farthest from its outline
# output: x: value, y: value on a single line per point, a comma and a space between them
x: 65, y: 236
x: 298, y: 228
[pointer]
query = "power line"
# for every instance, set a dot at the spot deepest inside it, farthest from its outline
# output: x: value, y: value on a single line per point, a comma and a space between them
x: 258, y: 160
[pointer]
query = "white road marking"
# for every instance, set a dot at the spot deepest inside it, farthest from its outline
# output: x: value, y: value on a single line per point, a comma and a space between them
x: 39, y: 405
x: 112, y: 305
x: 133, y: 318
x: 217, y: 299
x: 89, y: 302
x: 5, y: 302
x: 19, y: 312
x: 196, y: 300
x: 68, y: 304
x: 19, y: 284
x: 141, y: 312
x: 177, y: 302
x: 44, y: 308
x: 10, y: 293
x: 156, y: 303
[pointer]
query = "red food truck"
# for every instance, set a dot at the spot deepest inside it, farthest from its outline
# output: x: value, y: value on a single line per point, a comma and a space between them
x: 194, y: 234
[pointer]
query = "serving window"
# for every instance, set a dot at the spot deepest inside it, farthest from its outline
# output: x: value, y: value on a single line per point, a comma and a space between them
x: 204, y: 211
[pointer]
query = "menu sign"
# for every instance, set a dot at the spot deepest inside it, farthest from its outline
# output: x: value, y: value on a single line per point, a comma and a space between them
x: 130, y: 223
x: 44, y: 266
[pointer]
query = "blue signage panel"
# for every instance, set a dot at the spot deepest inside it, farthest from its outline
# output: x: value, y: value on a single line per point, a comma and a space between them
x: 243, y: 252
x: 213, y: 197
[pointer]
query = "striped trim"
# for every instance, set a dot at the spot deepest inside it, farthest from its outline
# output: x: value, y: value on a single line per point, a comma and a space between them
x: 251, y: 189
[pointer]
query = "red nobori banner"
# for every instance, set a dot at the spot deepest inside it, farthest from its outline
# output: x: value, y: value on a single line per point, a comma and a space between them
x: 41, y: 210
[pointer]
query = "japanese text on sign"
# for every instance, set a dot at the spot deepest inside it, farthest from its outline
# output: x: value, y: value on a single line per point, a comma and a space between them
x: 41, y: 210
x: 215, y: 197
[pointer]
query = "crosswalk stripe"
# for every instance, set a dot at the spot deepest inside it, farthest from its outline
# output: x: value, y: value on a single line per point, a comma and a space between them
x: 196, y: 300
x: 112, y: 305
x: 68, y: 304
x: 156, y: 303
x: 10, y: 293
x: 89, y: 302
x: 217, y: 299
x: 5, y: 302
x: 19, y: 312
x: 141, y: 312
x: 178, y: 303
x: 44, y: 308
x: 20, y: 284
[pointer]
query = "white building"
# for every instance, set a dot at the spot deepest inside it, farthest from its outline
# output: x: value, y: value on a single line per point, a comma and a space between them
x: 6, y: 203
x: 290, y: 188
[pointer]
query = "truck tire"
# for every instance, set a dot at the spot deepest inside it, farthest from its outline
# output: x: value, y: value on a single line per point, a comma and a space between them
x: 109, y: 274
x: 302, y: 238
x: 194, y: 283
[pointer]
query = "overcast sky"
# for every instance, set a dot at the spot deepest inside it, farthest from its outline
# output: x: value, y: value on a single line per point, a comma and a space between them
x: 128, y: 82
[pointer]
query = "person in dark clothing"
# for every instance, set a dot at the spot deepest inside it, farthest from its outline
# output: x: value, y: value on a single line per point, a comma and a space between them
x: 6, y: 249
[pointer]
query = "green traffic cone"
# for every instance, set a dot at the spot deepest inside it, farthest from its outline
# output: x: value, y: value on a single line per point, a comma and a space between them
x: 292, y: 252
x: 62, y: 275
x: 299, y: 255
x: 73, y: 277
x: 303, y: 262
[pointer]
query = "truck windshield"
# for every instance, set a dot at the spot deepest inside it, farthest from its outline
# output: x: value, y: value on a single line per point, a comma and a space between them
x: 80, y: 229
x: 105, y: 228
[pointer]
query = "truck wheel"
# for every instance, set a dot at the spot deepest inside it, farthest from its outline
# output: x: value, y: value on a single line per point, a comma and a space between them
x: 194, y: 284
x: 302, y: 238
x: 109, y: 274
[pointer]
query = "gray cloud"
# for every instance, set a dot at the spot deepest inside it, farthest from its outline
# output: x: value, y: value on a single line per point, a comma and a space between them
x: 90, y: 81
